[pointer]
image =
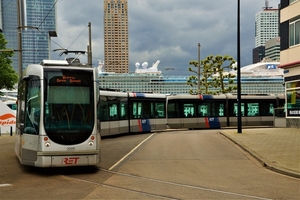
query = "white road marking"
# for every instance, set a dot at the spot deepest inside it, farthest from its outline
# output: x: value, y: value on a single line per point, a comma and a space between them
x: 5, y: 185
x: 111, y: 168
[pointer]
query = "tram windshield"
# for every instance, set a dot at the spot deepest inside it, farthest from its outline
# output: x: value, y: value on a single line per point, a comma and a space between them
x: 68, y: 105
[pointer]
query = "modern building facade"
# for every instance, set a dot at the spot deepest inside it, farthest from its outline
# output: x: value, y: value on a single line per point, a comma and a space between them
x: 289, y: 58
x: 38, y: 19
x: 272, y: 49
x: 116, y: 52
x: 258, y: 54
x: 266, y: 26
x: 9, y: 27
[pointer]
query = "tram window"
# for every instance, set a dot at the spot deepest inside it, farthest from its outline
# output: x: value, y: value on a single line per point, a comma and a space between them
x: 69, y: 94
x: 136, y: 110
x: 21, y: 104
x: 189, y: 110
x: 203, y: 109
x: 33, y: 101
x: 173, y: 109
x: 252, y: 109
x: 266, y: 109
x: 217, y: 109
x: 235, y: 109
x: 147, y: 112
x: 160, y: 110
x: 123, y: 110
x: 113, y: 111
x: 103, y: 110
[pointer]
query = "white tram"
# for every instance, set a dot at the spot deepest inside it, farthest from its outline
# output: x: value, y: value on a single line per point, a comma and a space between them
x: 130, y: 112
x: 57, y: 123
x: 218, y: 111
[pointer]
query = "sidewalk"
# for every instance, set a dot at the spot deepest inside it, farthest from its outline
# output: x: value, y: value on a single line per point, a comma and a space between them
x: 278, y: 149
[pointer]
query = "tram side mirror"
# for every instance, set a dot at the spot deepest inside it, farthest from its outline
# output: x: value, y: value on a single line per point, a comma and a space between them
x: 26, y: 78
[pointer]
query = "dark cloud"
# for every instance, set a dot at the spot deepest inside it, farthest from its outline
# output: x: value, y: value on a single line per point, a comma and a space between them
x: 166, y: 30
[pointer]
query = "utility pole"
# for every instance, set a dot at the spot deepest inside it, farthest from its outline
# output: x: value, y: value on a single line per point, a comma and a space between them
x: 199, y: 65
x: 19, y: 39
x: 90, y: 46
x: 239, y: 114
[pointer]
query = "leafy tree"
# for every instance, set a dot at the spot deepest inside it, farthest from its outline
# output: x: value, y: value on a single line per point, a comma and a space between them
x: 8, y: 76
x: 215, y: 78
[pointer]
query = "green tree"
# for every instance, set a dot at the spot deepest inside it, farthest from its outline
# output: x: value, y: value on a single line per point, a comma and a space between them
x: 214, y: 77
x: 8, y: 76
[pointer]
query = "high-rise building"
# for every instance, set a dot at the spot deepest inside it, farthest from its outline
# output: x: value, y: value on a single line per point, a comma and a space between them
x: 9, y: 27
x: 116, y: 51
x: 272, y: 49
x: 38, y: 20
x: 266, y: 26
x: 258, y: 54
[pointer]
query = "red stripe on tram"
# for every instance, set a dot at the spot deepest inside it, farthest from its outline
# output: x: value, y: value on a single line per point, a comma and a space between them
x: 140, y: 125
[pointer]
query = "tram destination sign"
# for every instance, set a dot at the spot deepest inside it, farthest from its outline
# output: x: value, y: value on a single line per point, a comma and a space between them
x: 70, y: 79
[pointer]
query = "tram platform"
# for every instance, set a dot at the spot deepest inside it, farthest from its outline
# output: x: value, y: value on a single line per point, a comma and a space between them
x: 278, y: 149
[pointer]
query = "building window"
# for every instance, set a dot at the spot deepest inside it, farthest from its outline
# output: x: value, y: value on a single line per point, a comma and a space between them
x: 295, y: 32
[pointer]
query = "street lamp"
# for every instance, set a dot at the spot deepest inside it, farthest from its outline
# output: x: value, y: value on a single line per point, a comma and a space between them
x: 51, y: 34
x: 199, y: 65
x: 239, y: 117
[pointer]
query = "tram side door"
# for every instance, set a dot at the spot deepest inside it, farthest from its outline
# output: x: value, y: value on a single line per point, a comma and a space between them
x: 28, y: 119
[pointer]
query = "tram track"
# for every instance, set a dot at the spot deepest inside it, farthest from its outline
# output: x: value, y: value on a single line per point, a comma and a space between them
x: 120, y: 188
x: 166, y: 183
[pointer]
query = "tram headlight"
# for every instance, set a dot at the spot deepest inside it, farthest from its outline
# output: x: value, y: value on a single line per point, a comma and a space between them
x: 91, y: 143
x: 47, y: 144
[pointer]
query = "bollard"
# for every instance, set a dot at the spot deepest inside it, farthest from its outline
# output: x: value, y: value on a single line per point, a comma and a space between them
x: 11, y: 131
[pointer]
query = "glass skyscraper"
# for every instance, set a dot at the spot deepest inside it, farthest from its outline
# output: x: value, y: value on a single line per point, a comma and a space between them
x: 38, y: 19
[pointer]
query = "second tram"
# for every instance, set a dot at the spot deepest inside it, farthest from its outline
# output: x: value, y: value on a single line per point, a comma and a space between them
x: 217, y: 111
x: 57, y: 123
x: 128, y: 112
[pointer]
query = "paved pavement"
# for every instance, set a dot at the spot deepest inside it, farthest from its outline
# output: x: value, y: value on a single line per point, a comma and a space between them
x: 278, y: 149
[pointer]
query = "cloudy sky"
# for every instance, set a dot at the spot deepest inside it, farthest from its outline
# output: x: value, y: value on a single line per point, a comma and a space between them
x: 165, y: 30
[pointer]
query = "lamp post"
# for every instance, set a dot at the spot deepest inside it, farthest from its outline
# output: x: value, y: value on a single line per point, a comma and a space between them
x: 20, y: 27
x: 19, y: 39
x: 51, y: 34
x: 199, y: 65
x: 239, y: 117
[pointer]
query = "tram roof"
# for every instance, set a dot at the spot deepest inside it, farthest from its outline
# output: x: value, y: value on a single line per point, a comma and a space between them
x: 55, y: 62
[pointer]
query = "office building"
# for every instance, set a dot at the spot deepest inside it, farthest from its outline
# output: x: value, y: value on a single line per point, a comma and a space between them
x: 258, y: 54
x: 272, y: 49
x: 289, y: 58
x: 266, y: 26
x: 38, y: 19
x: 116, y: 53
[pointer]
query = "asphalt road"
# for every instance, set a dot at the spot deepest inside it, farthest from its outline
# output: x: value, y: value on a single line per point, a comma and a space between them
x: 198, y: 164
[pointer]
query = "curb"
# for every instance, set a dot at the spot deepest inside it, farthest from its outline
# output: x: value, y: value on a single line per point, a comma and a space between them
x: 263, y: 161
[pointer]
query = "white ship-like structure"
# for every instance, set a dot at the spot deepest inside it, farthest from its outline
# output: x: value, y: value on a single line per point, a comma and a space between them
x: 146, y: 70
x: 263, y: 78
